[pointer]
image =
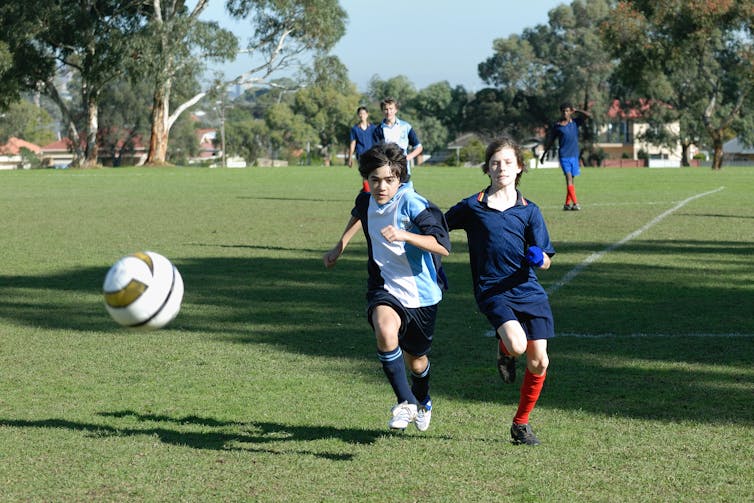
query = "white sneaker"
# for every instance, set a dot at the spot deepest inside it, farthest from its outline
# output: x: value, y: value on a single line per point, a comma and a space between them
x: 403, y: 414
x: 423, y: 416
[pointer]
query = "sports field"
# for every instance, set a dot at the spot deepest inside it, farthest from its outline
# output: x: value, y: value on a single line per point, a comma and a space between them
x: 267, y: 387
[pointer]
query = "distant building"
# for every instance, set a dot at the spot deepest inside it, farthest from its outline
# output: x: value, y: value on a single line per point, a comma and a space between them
x: 10, y: 153
x: 734, y: 150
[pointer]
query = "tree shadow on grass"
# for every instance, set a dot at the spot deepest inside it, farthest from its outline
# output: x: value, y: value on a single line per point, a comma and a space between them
x: 298, y: 306
x: 261, y: 437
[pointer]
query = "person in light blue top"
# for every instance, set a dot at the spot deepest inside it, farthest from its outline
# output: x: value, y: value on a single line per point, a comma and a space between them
x: 406, y: 236
x: 394, y: 130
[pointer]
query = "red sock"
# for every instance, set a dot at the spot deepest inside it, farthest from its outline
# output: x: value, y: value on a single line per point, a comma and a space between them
x: 365, y: 185
x: 530, y: 390
x: 572, y: 194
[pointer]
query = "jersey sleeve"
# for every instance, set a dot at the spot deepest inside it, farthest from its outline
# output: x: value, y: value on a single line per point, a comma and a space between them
x: 537, y: 233
x: 431, y: 222
x: 413, y: 138
x: 361, y: 205
x: 455, y: 216
x: 378, y: 135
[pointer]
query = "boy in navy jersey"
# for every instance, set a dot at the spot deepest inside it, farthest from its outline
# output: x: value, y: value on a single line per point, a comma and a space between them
x: 362, y: 138
x: 566, y: 131
x: 406, y: 235
x: 507, y: 240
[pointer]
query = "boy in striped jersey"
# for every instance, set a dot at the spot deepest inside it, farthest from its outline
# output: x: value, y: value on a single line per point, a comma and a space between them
x: 406, y: 236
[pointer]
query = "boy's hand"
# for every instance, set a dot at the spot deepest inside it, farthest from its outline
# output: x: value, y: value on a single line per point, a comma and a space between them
x: 392, y: 233
x: 332, y: 256
x: 535, y: 256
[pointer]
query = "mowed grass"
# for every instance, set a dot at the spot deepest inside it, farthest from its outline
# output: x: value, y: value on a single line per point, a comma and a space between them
x: 267, y: 388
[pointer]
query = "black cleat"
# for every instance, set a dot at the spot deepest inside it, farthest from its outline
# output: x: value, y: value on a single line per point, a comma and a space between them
x: 506, y: 366
x: 522, y: 434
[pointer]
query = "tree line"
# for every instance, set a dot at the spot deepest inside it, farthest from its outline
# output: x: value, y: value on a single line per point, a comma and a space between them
x: 137, y: 68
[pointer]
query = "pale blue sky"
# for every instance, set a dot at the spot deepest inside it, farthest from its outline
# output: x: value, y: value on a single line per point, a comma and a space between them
x: 426, y: 40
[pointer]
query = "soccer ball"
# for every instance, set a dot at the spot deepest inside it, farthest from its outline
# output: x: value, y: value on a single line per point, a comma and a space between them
x: 143, y: 290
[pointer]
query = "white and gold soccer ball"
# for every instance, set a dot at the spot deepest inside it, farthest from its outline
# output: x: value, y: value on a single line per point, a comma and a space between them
x: 143, y: 290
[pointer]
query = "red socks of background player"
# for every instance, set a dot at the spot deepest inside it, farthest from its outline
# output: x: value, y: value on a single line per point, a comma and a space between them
x: 571, y: 195
x: 365, y: 186
x: 530, y: 390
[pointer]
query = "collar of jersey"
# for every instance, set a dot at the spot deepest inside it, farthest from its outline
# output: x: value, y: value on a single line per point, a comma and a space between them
x: 397, y: 122
x: 482, y: 197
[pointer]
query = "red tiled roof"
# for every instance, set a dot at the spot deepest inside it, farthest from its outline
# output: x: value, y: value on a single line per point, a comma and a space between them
x: 14, y: 146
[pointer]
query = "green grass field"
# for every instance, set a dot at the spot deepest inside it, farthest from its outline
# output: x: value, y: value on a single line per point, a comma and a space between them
x: 267, y: 387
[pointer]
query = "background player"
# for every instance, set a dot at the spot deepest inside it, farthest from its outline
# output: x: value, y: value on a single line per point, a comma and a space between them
x: 362, y: 138
x: 394, y: 130
x: 566, y: 131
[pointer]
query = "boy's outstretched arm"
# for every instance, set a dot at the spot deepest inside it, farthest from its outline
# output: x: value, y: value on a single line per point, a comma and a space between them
x: 331, y: 257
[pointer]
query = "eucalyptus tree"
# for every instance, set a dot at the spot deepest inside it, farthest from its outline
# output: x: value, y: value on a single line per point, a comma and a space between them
x: 696, y: 57
x: 86, y: 38
x: 564, y: 60
x: 327, y: 102
x: 398, y: 87
x: 23, y: 119
x: 178, y: 41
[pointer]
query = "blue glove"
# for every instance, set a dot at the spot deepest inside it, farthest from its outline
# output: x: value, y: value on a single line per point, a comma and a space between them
x: 535, y: 256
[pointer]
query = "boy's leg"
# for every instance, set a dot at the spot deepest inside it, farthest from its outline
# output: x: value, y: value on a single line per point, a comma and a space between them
x: 386, y: 324
x: 419, y: 376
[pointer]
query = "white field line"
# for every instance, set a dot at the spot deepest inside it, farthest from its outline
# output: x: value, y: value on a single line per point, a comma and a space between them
x: 491, y: 333
x: 623, y: 336
x: 598, y: 255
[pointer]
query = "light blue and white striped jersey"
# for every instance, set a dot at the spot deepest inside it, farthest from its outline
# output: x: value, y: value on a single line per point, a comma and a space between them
x: 408, y: 273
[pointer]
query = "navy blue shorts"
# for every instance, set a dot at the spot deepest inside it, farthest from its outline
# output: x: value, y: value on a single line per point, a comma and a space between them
x: 417, y: 324
x: 535, y: 317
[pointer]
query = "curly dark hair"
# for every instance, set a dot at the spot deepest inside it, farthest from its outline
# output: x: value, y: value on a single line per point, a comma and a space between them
x: 384, y: 154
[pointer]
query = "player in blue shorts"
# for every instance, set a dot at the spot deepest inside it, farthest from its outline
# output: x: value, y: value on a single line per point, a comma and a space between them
x: 566, y: 131
x: 508, y: 240
x: 406, y: 236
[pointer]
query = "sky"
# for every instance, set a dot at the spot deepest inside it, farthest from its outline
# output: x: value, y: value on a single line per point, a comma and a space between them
x: 427, y: 41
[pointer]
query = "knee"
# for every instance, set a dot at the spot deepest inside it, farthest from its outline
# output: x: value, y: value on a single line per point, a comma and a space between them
x: 538, y: 365
x: 418, y: 365
x: 517, y: 348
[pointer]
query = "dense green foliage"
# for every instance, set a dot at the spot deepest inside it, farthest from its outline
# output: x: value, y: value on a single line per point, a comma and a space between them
x: 266, y: 387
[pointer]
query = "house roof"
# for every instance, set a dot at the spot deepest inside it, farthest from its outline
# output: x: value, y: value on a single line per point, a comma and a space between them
x: 14, y: 146
x: 735, y: 146
x: 633, y: 112
x: 61, y: 145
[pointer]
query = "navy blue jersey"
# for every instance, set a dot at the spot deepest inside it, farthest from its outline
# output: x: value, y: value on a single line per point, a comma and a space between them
x: 364, y: 138
x: 412, y: 275
x: 568, y: 137
x: 498, y: 241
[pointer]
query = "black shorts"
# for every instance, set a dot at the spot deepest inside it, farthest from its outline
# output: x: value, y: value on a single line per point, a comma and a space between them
x: 417, y: 324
